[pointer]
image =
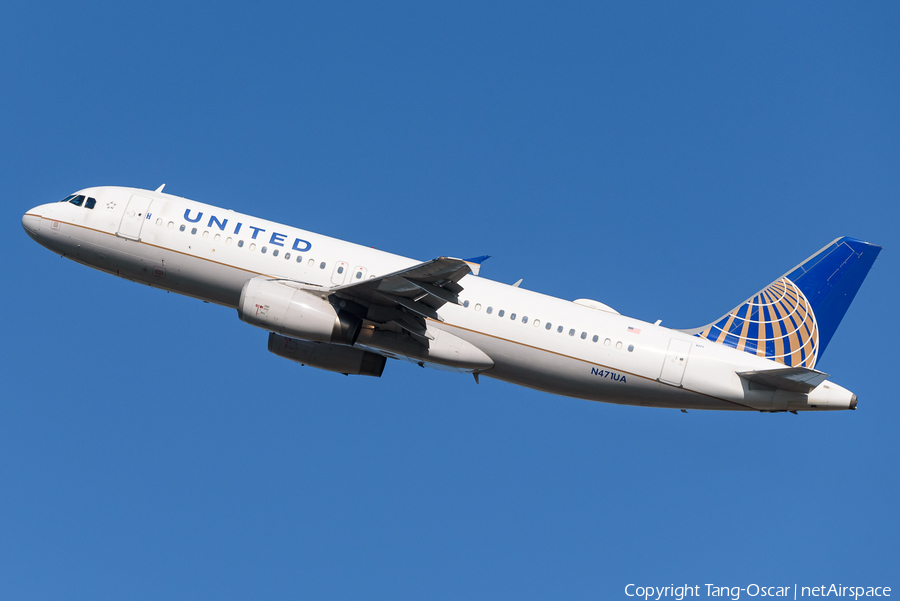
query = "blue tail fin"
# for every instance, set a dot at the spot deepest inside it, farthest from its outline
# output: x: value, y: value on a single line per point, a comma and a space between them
x: 793, y: 319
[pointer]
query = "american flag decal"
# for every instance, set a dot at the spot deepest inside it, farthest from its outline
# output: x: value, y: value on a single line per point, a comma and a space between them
x: 634, y: 330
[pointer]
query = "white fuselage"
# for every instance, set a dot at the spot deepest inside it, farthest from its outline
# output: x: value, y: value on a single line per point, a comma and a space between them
x: 589, y: 353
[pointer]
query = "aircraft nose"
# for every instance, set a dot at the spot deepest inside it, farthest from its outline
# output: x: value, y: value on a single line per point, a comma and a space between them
x: 31, y: 221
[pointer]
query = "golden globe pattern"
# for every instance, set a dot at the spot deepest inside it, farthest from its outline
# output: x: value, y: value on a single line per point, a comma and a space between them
x: 777, y: 323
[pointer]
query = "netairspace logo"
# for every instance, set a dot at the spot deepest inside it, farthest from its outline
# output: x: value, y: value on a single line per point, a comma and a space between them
x: 678, y: 593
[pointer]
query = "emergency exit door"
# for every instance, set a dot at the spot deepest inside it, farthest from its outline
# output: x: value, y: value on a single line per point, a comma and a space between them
x: 136, y: 213
x: 675, y: 362
x: 340, y: 273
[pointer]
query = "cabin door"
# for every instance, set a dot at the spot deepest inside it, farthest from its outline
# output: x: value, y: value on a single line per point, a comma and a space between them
x: 675, y: 362
x: 136, y: 213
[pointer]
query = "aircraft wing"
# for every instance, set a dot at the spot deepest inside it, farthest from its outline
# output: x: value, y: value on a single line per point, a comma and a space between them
x: 408, y: 296
x: 793, y: 379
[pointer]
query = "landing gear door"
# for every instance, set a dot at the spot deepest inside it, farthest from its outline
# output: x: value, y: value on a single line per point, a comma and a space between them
x: 133, y: 220
x: 675, y: 362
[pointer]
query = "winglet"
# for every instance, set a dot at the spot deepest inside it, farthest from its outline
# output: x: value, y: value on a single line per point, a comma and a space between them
x: 475, y: 263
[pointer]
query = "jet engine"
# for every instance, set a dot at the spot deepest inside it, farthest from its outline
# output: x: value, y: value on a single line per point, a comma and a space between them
x: 280, y: 307
x: 332, y: 357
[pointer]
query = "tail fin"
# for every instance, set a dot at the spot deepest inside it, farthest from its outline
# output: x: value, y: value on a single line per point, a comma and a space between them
x: 793, y: 319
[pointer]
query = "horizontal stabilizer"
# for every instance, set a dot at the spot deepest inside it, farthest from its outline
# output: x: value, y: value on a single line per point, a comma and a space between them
x: 793, y: 379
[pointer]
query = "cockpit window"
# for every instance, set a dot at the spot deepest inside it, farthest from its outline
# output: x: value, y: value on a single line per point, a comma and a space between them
x: 89, y: 203
x: 68, y: 198
x: 77, y: 200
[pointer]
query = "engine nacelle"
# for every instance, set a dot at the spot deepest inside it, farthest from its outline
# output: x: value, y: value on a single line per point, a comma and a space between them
x: 332, y: 357
x: 279, y: 307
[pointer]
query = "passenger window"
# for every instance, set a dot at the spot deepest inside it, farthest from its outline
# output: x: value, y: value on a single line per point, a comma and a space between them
x: 358, y: 275
x: 478, y: 306
x: 263, y: 250
x: 619, y: 345
x: 630, y: 348
x: 90, y: 202
x: 217, y: 237
x: 322, y: 265
x: 77, y: 201
x: 193, y: 231
x: 311, y: 262
x: 227, y: 240
x: 240, y: 243
x: 512, y: 316
x: 525, y: 319
x: 205, y: 235
x: 275, y: 252
x: 171, y: 225
x: 340, y: 269
x: 287, y: 256
x: 572, y: 332
x: 583, y: 335
x: 548, y: 326
x: 181, y: 228
x: 252, y: 246
x: 158, y: 221
x: 490, y: 310
x: 466, y: 304
x: 299, y: 258
x: 559, y: 330
x: 606, y: 342
x: 595, y: 338
x: 501, y: 312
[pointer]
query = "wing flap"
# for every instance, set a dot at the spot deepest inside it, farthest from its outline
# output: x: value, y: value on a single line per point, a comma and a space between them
x: 414, y: 306
x: 412, y: 325
x: 441, y: 293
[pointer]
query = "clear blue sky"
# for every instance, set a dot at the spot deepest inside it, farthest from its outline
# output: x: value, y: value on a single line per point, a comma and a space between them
x: 668, y: 159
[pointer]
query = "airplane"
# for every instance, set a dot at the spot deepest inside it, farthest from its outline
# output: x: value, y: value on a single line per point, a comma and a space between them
x: 346, y: 308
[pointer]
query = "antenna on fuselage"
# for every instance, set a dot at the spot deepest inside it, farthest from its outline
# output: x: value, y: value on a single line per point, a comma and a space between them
x: 160, y: 188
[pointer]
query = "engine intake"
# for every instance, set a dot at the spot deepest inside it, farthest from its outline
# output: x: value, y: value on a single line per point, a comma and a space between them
x: 278, y: 307
x: 331, y: 357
